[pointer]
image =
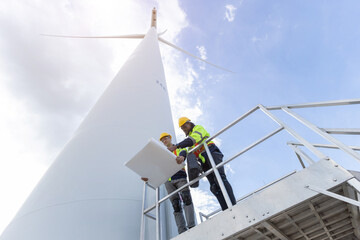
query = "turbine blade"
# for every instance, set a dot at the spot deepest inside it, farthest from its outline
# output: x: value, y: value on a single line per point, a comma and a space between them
x: 119, y: 36
x: 192, y: 55
x: 162, y: 33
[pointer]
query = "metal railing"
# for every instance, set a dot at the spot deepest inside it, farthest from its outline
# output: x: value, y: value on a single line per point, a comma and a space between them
x: 323, y: 132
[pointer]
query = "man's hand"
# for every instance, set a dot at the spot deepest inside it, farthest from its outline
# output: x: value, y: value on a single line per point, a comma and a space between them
x: 180, y: 159
x: 172, y: 148
x: 144, y: 179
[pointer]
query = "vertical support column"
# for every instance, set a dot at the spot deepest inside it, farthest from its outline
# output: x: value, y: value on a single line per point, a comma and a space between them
x: 157, y: 213
x: 300, y: 154
x: 217, y: 174
x: 142, y: 227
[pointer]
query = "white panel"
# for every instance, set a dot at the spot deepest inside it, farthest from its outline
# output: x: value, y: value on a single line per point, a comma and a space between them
x: 154, y: 162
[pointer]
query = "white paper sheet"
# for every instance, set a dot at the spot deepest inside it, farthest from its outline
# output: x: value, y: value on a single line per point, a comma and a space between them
x: 154, y: 162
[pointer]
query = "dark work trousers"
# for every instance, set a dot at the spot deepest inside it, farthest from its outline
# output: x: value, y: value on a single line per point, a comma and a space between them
x: 188, y: 207
x: 214, y: 186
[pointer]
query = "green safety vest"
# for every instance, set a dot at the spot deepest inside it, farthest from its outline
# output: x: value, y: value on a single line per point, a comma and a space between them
x: 177, y: 152
x: 198, y: 135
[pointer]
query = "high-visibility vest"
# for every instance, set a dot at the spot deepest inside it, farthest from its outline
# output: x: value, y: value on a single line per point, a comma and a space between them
x: 198, y: 134
x: 177, y: 152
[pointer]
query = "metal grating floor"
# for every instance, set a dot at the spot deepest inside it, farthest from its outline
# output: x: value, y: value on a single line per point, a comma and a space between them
x: 319, y: 218
x: 288, y: 209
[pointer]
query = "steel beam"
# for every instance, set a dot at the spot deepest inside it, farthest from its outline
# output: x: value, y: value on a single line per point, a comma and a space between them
x: 295, y: 225
x: 355, y: 218
x: 323, y: 145
x: 347, y: 131
x: 260, y: 233
x: 142, y: 226
x: 218, y: 177
x: 157, y: 209
x: 299, y: 153
x: 293, y: 133
x: 320, y: 219
x: 319, y: 104
x: 272, y: 228
x: 322, y: 133
x: 333, y: 195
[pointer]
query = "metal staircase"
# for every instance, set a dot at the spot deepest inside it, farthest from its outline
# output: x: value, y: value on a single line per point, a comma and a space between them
x: 319, y: 202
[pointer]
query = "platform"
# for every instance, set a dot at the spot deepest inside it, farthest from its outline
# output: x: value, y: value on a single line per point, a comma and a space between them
x: 291, y: 209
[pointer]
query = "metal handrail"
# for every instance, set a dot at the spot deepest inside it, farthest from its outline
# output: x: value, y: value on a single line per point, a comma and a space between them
x: 217, y: 166
x: 302, y: 142
x: 348, y: 131
x: 207, y: 216
x: 226, y: 128
x: 299, y: 153
x: 324, y: 146
x: 322, y: 133
x: 319, y: 104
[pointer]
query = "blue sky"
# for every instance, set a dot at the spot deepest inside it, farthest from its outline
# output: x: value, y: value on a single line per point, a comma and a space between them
x: 282, y: 52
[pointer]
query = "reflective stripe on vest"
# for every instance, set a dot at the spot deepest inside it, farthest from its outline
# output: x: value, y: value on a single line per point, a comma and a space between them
x: 199, y: 134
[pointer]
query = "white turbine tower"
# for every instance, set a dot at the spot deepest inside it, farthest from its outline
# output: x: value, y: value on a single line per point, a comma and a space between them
x: 88, y: 193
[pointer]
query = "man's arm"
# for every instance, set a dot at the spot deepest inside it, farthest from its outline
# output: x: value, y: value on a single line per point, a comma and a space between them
x: 187, y: 142
x: 182, y: 156
x: 197, y: 135
x: 183, y: 153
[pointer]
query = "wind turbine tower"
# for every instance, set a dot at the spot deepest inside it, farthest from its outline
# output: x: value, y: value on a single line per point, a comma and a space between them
x: 87, y: 193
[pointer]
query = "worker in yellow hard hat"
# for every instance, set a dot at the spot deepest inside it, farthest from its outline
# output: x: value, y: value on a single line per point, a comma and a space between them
x: 196, y: 134
x: 175, y: 182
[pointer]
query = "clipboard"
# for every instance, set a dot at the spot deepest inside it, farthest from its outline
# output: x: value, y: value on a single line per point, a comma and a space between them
x: 154, y: 162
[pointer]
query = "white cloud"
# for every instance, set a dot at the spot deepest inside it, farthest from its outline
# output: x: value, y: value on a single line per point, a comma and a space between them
x: 229, y: 169
x: 202, y: 53
x: 180, y: 81
x: 230, y: 12
x: 255, y: 39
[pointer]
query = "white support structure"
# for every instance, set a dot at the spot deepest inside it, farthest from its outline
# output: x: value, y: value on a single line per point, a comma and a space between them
x: 319, y: 202
x: 333, y: 195
x: 319, y: 154
x: 288, y: 198
x: 322, y: 133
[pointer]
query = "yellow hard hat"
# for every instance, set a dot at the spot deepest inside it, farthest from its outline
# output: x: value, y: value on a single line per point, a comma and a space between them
x: 183, y: 120
x: 164, y: 134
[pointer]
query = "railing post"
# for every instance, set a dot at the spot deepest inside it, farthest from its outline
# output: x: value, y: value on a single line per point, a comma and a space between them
x: 201, y: 216
x: 217, y: 175
x: 157, y: 213
x: 300, y: 154
x: 142, y: 227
